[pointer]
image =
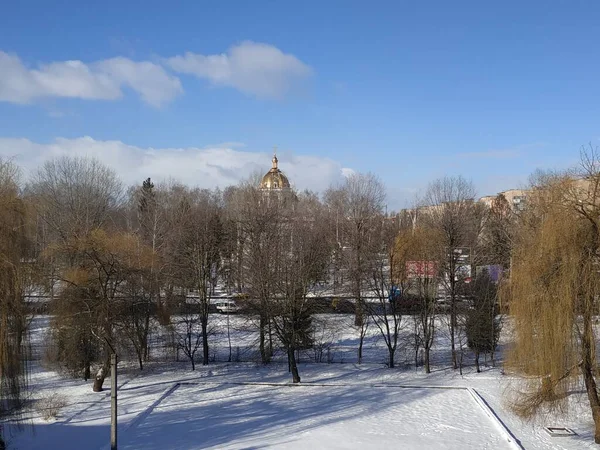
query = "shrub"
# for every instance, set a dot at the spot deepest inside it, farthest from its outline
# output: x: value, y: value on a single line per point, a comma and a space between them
x: 49, y: 406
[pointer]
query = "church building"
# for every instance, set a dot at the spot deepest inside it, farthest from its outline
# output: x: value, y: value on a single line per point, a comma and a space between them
x: 275, y: 179
x: 275, y: 185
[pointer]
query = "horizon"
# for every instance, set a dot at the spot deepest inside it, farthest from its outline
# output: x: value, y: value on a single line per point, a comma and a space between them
x: 202, y: 94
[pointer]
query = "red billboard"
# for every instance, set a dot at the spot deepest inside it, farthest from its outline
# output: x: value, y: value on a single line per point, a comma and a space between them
x: 421, y: 269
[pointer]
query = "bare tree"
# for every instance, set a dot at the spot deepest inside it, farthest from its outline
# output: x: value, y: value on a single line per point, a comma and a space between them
x: 449, y: 207
x: 301, y: 261
x: 417, y: 253
x: 75, y: 195
x: 386, y: 311
x: 188, y: 330
x: 197, y: 253
x: 142, y: 291
x: 497, y: 237
x: 261, y: 221
x: 335, y: 200
x: 76, y: 198
x: 361, y: 201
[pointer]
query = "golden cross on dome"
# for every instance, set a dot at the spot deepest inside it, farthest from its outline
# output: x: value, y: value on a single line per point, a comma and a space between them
x: 274, y: 160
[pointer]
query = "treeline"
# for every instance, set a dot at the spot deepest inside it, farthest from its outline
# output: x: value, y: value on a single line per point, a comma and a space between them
x: 118, y: 262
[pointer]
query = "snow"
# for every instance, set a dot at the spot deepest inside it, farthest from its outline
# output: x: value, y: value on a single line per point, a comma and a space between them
x: 231, y: 416
x: 166, y: 410
x: 245, y: 405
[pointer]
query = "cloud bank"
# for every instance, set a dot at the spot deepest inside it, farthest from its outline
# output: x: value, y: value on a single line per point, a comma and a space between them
x: 101, y: 80
x: 250, y: 67
x: 257, y: 69
x: 214, y: 166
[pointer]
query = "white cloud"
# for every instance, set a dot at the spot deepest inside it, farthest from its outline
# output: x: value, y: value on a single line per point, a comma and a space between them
x: 213, y: 166
x: 154, y: 85
x: 253, y: 68
x: 101, y: 80
x: 347, y: 172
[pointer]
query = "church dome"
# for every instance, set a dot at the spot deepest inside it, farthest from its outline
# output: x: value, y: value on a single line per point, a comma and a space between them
x: 274, y: 178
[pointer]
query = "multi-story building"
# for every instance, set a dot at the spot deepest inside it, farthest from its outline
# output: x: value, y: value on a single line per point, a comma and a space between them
x: 516, y: 198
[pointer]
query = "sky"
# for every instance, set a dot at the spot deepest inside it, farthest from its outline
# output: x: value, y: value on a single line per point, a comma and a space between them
x: 201, y: 92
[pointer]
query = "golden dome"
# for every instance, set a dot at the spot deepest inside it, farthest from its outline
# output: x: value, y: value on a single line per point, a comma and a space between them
x: 274, y: 178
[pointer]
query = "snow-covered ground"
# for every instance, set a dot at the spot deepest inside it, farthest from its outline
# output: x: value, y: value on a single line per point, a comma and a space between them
x: 245, y: 405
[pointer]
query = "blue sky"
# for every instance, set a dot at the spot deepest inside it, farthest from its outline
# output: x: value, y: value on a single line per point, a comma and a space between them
x: 202, y: 91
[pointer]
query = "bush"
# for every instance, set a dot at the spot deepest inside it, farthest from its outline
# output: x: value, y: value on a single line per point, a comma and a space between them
x: 49, y: 406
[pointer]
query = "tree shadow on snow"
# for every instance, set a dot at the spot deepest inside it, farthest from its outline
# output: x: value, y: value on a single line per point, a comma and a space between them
x: 217, y: 416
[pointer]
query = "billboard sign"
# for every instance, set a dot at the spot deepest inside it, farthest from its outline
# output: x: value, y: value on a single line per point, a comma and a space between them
x: 462, y: 263
x: 494, y: 271
x: 421, y: 269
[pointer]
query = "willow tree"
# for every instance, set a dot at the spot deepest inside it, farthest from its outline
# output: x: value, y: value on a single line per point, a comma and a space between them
x: 554, y: 291
x: 13, y: 323
x: 95, y: 289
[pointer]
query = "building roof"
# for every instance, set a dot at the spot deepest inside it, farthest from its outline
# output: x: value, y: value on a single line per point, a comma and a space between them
x: 274, y: 179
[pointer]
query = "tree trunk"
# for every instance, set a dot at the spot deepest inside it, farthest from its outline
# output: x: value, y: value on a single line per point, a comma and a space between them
x: 228, y: 338
x: 193, y: 362
x: 146, y: 347
x: 205, y: 350
x: 358, y: 313
x: 87, y: 371
x: 592, y: 393
x: 416, y: 356
x: 427, y: 366
x: 99, y: 380
x: 140, y: 360
x: 453, y: 329
x: 391, y: 361
x: 262, y: 340
x: 270, y: 339
x: 293, y: 364
x: 587, y: 367
x: 477, y: 361
x: 360, y: 348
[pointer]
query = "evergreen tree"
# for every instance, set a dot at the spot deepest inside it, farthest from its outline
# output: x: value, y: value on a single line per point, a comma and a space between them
x: 482, y: 323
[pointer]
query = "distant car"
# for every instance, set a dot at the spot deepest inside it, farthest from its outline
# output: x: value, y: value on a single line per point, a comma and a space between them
x: 227, y: 306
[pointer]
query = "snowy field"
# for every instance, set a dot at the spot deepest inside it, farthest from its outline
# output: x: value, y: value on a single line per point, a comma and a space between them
x: 344, y: 417
x: 245, y: 405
